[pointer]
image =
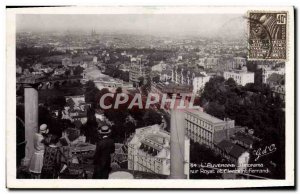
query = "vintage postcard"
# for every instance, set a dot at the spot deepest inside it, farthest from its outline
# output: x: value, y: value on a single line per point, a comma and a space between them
x: 150, y: 97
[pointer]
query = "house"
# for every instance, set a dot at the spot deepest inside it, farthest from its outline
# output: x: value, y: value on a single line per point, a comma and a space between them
x: 205, y: 128
x: 275, y: 79
x: 232, y: 152
x: 243, y: 139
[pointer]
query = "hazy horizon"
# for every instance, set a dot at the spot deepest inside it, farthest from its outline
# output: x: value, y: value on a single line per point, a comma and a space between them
x: 154, y: 24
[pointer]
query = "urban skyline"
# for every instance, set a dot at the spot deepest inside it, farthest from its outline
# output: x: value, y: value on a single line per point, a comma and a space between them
x: 205, y: 25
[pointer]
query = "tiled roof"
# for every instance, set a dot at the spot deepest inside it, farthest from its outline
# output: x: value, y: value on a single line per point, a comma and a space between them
x: 275, y: 78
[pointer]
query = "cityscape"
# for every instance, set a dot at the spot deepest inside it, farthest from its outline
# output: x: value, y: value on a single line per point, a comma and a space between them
x: 64, y: 73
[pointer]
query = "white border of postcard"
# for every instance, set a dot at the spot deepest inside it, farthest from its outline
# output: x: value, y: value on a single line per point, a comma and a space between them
x: 12, y: 182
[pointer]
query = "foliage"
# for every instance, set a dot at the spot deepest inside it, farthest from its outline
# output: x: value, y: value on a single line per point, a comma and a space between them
x: 156, y: 79
x: 90, y: 93
x: 90, y: 127
x: 114, y: 71
x: 200, y: 154
x: 78, y: 70
x: 253, y: 106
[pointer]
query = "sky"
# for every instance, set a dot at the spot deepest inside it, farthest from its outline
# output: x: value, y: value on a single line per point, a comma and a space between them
x: 159, y: 24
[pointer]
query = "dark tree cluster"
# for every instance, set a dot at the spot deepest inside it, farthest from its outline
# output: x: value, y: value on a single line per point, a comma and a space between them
x: 200, y: 154
x: 124, y: 119
x: 253, y: 106
x: 30, y: 55
x: 115, y: 72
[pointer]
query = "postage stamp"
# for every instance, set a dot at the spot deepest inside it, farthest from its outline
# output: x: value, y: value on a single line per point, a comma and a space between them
x: 267, y: 35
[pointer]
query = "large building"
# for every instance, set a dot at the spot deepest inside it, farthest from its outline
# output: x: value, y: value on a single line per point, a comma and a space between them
x: 170, y: 89
x: 228, y: 63
x: 241, y: 77
x: 181, y: 75
x: 208, y: 62
x: 149, y: 151
x: 199, y: 82
x: 222, y: 136
x: 137, y: 70
x: 185, y: 76
x: 204, y: 128
x: 112, y: 84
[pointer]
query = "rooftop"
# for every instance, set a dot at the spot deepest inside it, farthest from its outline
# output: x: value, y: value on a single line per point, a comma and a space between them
x: 173, y: 88
x: 32, y: 79
x: 275, y: 78
x: 226, y: 133
x: 205, y: 116
x: 240, y: 72
x: 244, y: 138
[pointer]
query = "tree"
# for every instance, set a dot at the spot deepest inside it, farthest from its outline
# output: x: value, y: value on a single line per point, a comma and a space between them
x: 125, y: 76
x: 90, y: 128
x: 57, y: 101
x: 91, y: 93
x: 67, y: 72
x: 253, y: 106
x: 99, y: 95
x: 156, y: 79
x: 200, y: 154
x: 141, y: 81
x: 78, y: 70
x: 119, y: 90
x: 231, y: 83
x: 56, y: 85
x: 151, y: 117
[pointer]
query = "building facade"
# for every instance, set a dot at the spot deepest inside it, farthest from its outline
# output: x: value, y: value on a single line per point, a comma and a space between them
x: 170, y: 89
x: 137, y: 70
x: 238, y: 62
x: 149, y: 151
x: 233, y: 152
x: 165, y: 75
x: 241, y: 77
x: 208, y: 62
x: 184, y: 76
x: 199, y: 83
x: 201, y: 127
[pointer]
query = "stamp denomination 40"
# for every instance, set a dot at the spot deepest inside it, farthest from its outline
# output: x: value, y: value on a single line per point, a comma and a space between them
x: 267, y: 35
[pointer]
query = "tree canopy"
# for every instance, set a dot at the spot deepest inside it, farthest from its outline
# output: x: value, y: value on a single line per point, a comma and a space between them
x: 253, y: 106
